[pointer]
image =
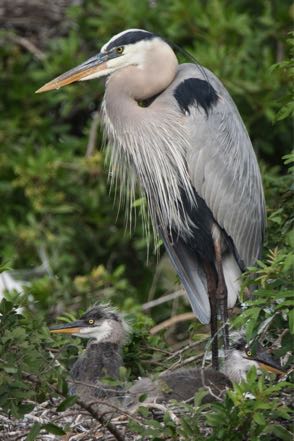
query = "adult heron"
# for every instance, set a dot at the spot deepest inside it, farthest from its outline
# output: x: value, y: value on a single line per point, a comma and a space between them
x: 177, y: 130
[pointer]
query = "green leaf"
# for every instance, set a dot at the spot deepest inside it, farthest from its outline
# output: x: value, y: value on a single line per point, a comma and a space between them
x: 25, y: 408
x: 143, y: 411
x: 65, y: 404
x: 281, y: 433
x: 10, y: 369
x: 291, y: 321
x: 34, y: 432
x: 139, y: 202
x: 259, y: 419
x: 142, y: 398
x: 52, y: 428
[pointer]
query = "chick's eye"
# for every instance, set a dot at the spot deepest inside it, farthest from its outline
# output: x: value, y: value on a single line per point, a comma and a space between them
x: 249, y: 353
x: 119, y: 50
x: 91, y: 322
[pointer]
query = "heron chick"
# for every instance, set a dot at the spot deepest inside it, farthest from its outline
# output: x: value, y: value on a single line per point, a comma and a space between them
x: 188, y: 148
x: 107, y: 331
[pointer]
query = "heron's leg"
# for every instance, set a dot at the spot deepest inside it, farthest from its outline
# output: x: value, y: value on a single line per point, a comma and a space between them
x: 211, y: 288
x: 222, y: 292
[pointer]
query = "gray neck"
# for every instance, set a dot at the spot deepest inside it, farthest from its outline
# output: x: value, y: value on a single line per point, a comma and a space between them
x: 127, y: 86
x: 116, y: 334
x: 153, y: 75
x: 97, y: 361
x: 142, y: 140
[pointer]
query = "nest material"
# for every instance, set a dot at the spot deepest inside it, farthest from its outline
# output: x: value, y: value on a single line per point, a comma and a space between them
x: 37, y: 20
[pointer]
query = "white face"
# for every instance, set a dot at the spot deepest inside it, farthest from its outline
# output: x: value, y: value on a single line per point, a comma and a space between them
x: 101, y: 331
x: 237, y: 365
x: 132, y: 55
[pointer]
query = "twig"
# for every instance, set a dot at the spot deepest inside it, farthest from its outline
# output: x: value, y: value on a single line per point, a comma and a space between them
x: 172, y: 321
x: 86, y: 406
x: 28, y: 45
x: 162, y: 299
x: 186, y: 348
x: 100, y: 387
x: 163, y: 409
x: 101, y: 419
x: 208, y: 387
x: 154, y: 282
x: 113, y: 407
x: 205, y: 355
x: 184, y: 363
x: 278, y: 342
x: 93, y: 134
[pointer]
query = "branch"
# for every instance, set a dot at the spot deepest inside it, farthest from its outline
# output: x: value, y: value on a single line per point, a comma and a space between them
x: 88, y: 407
x: 188, y: 360
x: 101, y: 419
x: 172, y: 321
x: 163, y: 409
x: 162, y: 299
x: 28, y: 45
x: 187, y: 347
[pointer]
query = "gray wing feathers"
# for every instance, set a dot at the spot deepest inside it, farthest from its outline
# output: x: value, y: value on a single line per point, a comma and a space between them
x: 232, y: 276
x: 224, y: 171
x: 192, y: 277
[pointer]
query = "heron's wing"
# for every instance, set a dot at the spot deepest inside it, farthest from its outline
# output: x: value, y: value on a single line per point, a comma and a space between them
x: 191, y: 275
x: 223, y: 166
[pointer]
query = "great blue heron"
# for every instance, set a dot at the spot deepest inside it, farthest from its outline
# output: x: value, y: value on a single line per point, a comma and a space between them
x: 107, y: 331
x: 176, y: 128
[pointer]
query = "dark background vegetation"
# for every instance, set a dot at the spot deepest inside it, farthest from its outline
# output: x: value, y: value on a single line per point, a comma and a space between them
x: 60, y: 229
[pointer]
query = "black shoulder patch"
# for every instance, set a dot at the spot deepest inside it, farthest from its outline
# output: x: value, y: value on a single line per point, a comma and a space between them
x: 130, y: 38
x: 195, y: 91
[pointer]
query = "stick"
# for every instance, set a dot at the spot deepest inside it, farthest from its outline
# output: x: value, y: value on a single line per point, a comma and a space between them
x: 172, y: 321
x: 162, y: 299
x: 88, y: 407
x: 29, y: 46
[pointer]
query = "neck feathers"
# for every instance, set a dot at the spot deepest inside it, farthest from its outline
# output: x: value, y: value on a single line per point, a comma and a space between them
x: 149, y: 144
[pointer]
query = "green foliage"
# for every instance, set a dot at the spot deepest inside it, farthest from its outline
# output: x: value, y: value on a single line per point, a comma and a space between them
x: 48, y: 428
x: 268, y: 314
x: 27, y: 367
x: 252, y: 410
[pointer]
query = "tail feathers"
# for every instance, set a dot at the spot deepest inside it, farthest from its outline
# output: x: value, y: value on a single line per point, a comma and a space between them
x: 192, y: 277
x: 232, y: 275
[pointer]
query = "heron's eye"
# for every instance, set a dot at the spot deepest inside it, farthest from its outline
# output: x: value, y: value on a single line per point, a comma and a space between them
x: 91, y: 322
x: 249, y: 353
x: 119, y: 50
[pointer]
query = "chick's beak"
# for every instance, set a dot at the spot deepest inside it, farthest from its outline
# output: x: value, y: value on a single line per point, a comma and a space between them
x: 92, y: 66
x: 67, y: 328
x: 267, y: 363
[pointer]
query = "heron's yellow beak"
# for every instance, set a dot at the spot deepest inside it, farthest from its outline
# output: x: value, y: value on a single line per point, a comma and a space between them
x: 65, y: 331
x: 87, y: 70
x: 272, y: 369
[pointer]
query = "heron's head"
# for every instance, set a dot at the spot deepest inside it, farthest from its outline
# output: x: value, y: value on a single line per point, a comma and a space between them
x: 101, y: 323
x: 242, y: 357
x: 133, y: 47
